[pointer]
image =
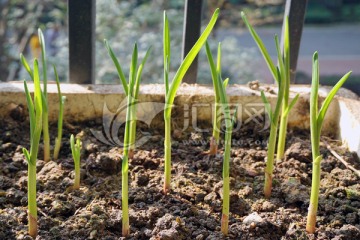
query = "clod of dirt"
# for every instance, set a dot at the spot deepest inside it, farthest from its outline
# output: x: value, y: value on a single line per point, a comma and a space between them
x: 168, y: 228
x: 299, y: 151
x: 104, y: 162
x: 294, y: 191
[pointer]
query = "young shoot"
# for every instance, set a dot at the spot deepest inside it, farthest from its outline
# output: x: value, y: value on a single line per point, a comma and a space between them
x: 75, y: 151
x: 214, y: 141
x: 316, y: 121
x: 279, y: 74
x: 286, y: 107
x: 131, y: 90
x: 220, y: 86
x: 35, y: 107
x: 134, y: 74
x: 46, y: 136
x: 60, y: 119
x: 171, y: 89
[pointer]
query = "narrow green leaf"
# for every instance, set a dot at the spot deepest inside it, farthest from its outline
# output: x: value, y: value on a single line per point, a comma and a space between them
x: 43, y: 60
x: 261, y: 46
x: 139, y: 73
x: 213, y: 71
x: 118, y: 66
x: 72, y: 145
x: 26, y: 66
x: 31, y: 110
x: 57, y: 83
x: 226, y: 82
x: 27, y: 155
x: 218, y: 63
x: 329, y: 98
x: 280, y: 59
x: 292, y: 103
x: 286, y: 53
x: 132, y: 73
x: 267, y: 105
x: 167, y: 53
x: 314, y: 97
x: 187, y: 62
x: 38, y: 94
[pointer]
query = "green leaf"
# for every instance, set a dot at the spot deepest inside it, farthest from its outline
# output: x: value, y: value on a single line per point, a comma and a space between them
x: 261, y: 46
x: 72, y: 146
x: 314, y: 95
x: 38, y: 95
x: 139, y: 73
x: 226, y: 82
x: 267, y: 106
x: 187, y: 62
x: 280, y: 59
x: 329, y: 98
x: 218, y: 63
x: 27, y: 155
x: 31, y: 109
x: 292, y: 103
x: 118, y: 67
x: 132, y: 73
x: 26, y: 66
x: 167, y: 52
x: 213, y: 71
x: 43, y: 60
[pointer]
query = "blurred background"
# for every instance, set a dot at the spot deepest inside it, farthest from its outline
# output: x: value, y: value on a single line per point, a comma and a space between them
x: 332, y: 27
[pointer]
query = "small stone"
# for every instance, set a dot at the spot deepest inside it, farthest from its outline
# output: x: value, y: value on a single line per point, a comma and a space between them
x: 253, y: 218
x: 211, y: 197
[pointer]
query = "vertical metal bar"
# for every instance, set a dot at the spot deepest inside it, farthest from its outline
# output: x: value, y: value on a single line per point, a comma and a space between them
x: 81, y: 41
x: 295, y: 10
x: 192, y: 26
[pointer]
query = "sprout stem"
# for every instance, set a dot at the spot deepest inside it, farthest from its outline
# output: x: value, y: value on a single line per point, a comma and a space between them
x: 316, y: 120
x: 170, y: 91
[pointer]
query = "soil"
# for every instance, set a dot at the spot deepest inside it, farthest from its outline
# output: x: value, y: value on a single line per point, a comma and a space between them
x: 193, y: 208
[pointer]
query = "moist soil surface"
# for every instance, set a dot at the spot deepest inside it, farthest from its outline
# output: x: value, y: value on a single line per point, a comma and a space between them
x: 192, y: 210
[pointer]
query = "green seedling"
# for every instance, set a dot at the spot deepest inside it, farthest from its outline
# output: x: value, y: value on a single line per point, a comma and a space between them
x: 279, y: 75
x: 316, y: 121
x: 223, y: 100
x: 286, y: 107
x: 46, y: 136
x: 131, y: 90
x: 284, y: 65
x: 60, y: 119
x: 171, y: 89
x: 35, y: 108
x: 214, y: 141
x: 75, y: 151
x: 45, y: 122
x: 136, y: 75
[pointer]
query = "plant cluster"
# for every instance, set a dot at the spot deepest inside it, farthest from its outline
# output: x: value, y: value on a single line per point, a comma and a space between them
x: 131, y: 90
x: 39, y: 124
x: 38, y: 113
x: 222, y: 100
x: 281, y: 74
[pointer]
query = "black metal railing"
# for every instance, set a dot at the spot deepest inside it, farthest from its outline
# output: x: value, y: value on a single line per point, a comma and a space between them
x: 82, y: 36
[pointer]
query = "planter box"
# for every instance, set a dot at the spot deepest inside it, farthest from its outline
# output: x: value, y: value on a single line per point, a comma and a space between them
x: 192, y: 210
x: 192, y: 105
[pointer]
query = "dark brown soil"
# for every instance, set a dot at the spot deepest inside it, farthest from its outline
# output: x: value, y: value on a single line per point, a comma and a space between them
x: 192, y: 210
